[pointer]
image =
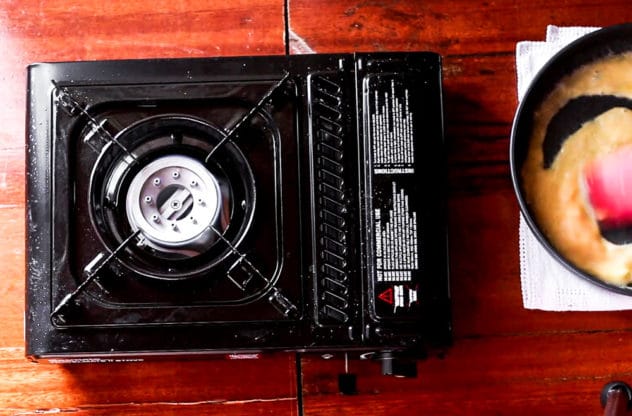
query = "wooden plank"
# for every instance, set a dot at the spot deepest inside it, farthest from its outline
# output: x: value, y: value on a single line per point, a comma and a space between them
x: 454, y: 27
x: 281, y: 406
x: 12, y: 178
x: 571, y: 398
x: 479, y: 90
x: 72, y: 30
x: 12, y: 266
x: 559, y: 374
x: 108, y: 387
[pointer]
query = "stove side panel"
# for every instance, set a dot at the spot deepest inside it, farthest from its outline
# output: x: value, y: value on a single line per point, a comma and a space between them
x: 404, y: 193
x: 38, y: 209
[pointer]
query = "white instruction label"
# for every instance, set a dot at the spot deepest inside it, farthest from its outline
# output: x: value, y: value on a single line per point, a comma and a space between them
x: 391, y: 132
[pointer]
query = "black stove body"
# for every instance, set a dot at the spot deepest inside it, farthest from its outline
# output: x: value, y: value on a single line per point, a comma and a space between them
x: 236, y: 205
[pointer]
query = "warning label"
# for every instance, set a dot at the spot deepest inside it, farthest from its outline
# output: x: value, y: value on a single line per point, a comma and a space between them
x: 387, y: 296
x: 396, y: 255
x: 399, y: 296
x: 396, y: 246
x: 404, y: 296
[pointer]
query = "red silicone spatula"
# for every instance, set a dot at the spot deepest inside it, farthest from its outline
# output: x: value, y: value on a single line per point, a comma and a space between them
x: 609, y: 186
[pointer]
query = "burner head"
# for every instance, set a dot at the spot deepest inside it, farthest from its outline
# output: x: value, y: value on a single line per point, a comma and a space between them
x: 177, y: 205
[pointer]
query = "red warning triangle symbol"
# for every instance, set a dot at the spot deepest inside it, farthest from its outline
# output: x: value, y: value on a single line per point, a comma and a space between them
x: 387, y: 296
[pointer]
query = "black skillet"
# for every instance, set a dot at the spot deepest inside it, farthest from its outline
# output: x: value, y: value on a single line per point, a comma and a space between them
x: 594, y: 46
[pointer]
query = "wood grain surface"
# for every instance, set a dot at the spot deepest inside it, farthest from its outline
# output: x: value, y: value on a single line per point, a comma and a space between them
x: 505, y: 360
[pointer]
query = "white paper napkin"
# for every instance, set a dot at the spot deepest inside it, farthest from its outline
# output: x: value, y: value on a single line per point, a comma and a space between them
x: 546, y: 284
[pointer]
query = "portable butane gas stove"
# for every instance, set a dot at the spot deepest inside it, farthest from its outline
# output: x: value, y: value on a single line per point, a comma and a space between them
x: 236, y: 205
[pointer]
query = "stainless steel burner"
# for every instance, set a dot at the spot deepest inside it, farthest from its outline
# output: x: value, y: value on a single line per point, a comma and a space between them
x: 176, y: 203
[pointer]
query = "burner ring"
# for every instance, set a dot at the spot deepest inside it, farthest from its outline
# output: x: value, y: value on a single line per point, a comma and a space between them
x: 173, y: 138
x: 177, y: 205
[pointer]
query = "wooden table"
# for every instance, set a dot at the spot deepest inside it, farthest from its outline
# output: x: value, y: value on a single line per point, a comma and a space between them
x: 505, y: 359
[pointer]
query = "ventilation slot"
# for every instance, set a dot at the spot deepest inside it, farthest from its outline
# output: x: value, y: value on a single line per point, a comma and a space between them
x: 332, y: 287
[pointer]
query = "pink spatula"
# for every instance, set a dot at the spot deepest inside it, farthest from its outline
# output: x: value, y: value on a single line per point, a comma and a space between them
x: 609, y: 188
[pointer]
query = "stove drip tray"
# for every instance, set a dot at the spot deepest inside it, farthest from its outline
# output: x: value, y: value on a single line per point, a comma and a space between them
x: 245, y: 204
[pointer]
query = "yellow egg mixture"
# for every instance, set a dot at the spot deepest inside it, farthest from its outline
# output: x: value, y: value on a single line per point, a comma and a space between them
x: 556, y: 195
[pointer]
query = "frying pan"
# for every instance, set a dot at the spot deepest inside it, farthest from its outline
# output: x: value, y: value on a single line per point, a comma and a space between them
x: 592, y: 47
